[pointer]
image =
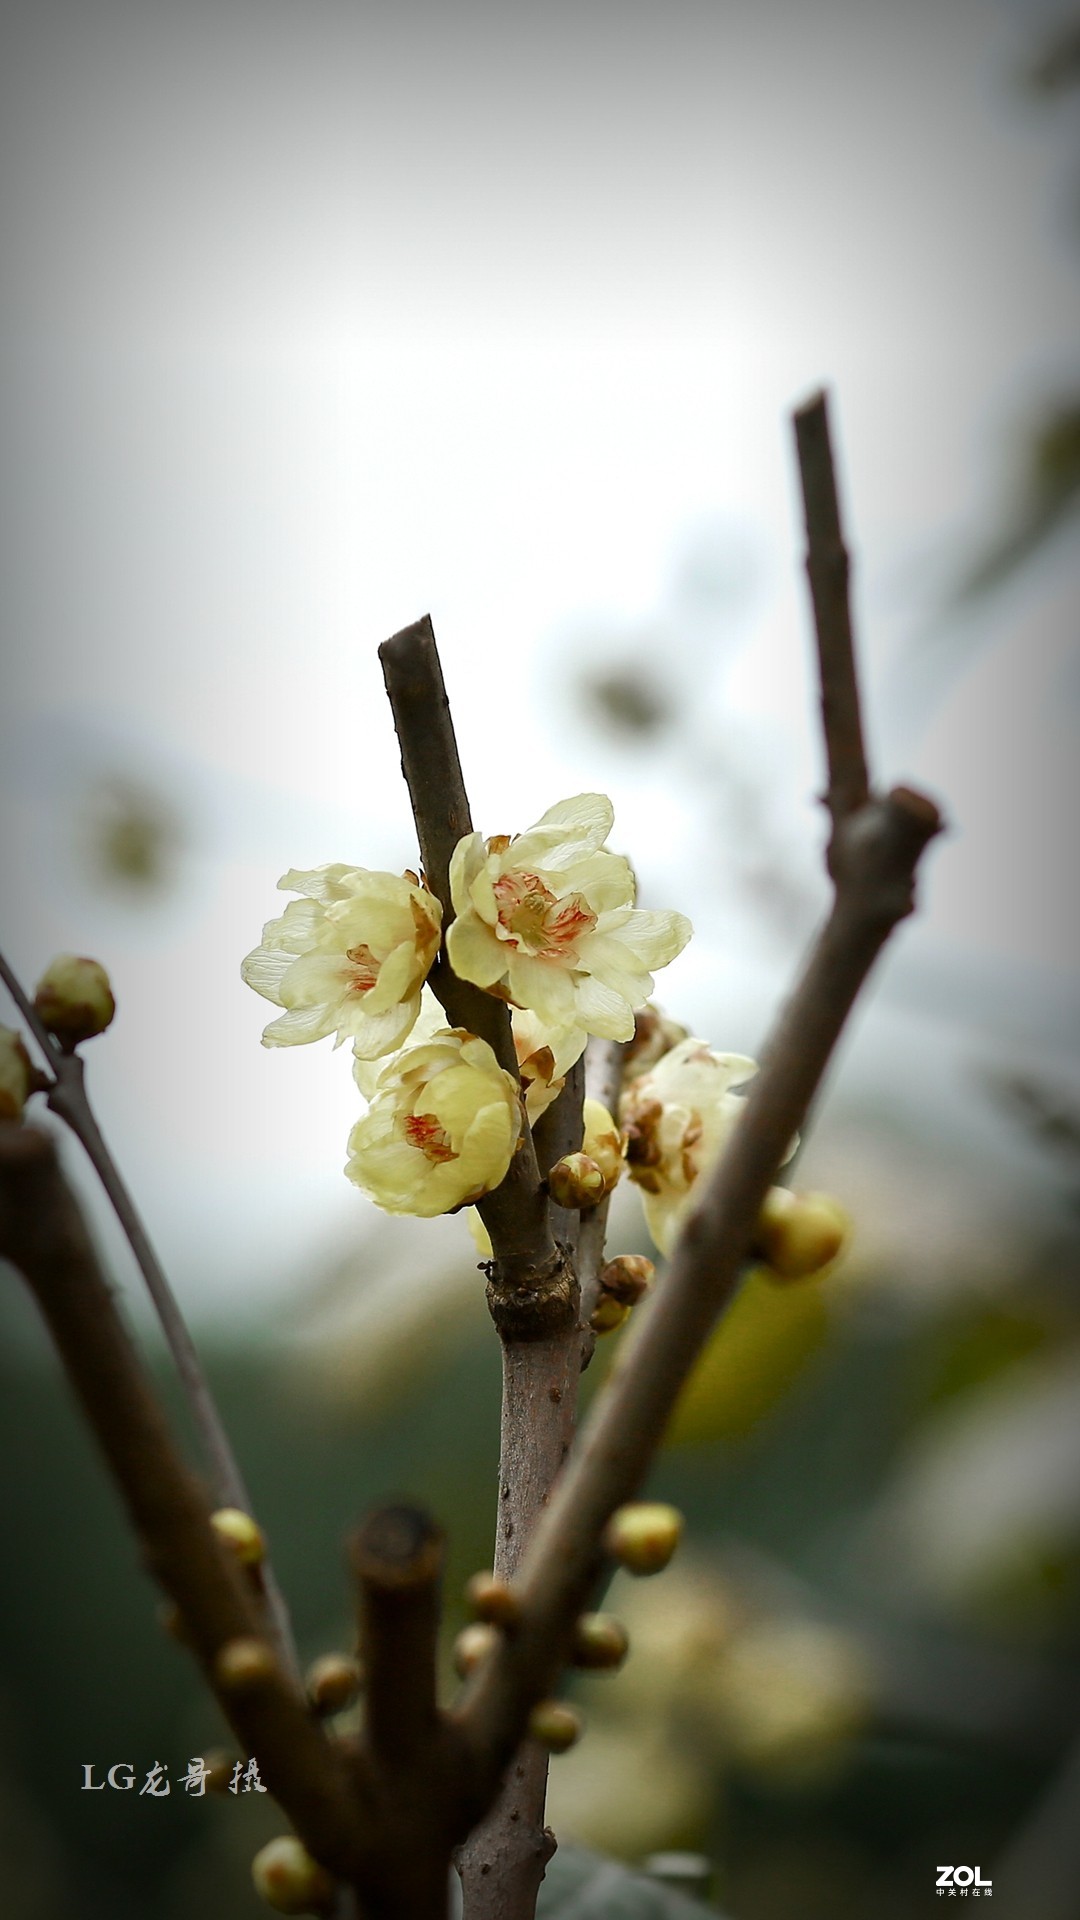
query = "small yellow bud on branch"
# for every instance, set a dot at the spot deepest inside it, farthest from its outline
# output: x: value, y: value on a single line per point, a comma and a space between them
x: 472, y: 1645
x: 799, y: 1234
x: 576, y: 1182
x: 241, y: 1534
x: 244, y: 1664
x: 643, y: 1535
x: 74, y: 999
x: 493, y: 1600
x: 601, y: 1643
x: 627, y: 1277
x: 608, y: 1314
x: 289, y: 1880
x: 555, y: 1726
x: 333, y: 1682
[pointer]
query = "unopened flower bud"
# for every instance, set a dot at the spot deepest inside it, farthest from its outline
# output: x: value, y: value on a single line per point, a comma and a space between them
x: 241, y: 1534
x: 603, y: 1142
x: 555, y: 1725
x: 608, y: 1314
x: 333, y: 1682
x: 74, y: 999
x: 16, y: 1075
x: 601, y: 1642
x: 643, y: 1535
x: 472, y: 1645
x: 493, y: 1600
x: 576, y: 1182
x: 800, y: 1233
x: 289, y: 1879
x: 627, y: 1277
x: 244, y: 1664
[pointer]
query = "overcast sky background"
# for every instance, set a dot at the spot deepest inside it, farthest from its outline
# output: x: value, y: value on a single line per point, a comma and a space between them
x: 315, y: 318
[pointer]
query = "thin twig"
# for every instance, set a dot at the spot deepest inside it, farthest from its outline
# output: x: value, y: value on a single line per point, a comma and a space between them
x: 828, y: 569
x: 30, y: 1014
x: 67, y: 1096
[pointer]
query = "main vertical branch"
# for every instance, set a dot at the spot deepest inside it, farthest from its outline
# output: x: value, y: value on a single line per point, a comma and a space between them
x: 502, y: 1863
x: 516, y: 1214
x: 532, y: 1287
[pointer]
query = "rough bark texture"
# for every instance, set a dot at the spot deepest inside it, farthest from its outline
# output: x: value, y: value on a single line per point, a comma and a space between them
x: 503, y: 1861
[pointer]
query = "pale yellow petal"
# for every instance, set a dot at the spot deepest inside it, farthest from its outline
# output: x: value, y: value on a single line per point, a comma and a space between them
x: 318, y: 883
x: 480, y: 1234
x: 299, y: 1026
x: 664, y: 1214
x: 265, y: 969
x: 297, y: 928
x: 487, y: 1149
x: 654, y: 937
x: 465, y: 863
x: 605, y: 879
x: 615, y: 966
x: 400, y: 978
x: 376, y: 1034
x: 315, y: 978
x: 565, y: 832
x: 543, y: 985
x: 601, y: 1010
x: 474, y: 952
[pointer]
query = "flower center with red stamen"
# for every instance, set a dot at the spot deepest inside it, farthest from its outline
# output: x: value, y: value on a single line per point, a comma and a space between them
x: 423, y: 1130
x: 363, y: 969
x: 531, y: 916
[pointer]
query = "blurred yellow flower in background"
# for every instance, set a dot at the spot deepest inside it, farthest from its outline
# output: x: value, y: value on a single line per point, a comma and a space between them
x: 679, y: 1116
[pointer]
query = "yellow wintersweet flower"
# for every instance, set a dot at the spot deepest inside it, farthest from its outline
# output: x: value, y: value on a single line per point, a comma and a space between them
x: 441, y: 1129
x: 349, y: 957
x: 545, y: 1055
x: 679, y: 1117
x: 548, y: 921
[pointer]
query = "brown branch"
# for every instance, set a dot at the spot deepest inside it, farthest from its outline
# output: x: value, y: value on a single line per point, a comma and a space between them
x: 828, y: 568
x: 502, y: 1863
x: 68, y: 1097
x: 397, y: 1558
x: 880, y: 848
x: 516, y: 1215
x: 414, y: 1776
x: 43, y: 1233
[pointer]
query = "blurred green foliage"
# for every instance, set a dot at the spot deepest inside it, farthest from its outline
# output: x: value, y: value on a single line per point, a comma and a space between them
x: 777, y: 1505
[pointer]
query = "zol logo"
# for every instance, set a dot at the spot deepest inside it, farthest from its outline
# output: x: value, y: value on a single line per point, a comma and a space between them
x: 963, y: 1880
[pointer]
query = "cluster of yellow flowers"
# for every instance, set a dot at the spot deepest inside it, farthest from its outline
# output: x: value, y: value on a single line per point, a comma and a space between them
x: 546, y: 921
